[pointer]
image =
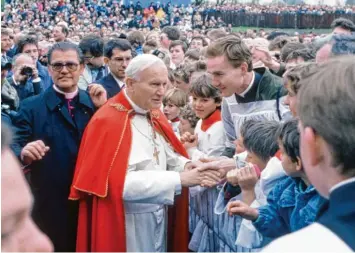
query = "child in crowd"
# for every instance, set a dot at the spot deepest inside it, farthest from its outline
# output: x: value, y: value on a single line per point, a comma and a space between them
x: 182, y: 79
x: 188, y: 120
x: 173, y: 101
x: 209, y: 138
x: 260, y: 142
x: 292, y: 79
x: 251, y: 182
x: 293, y: 203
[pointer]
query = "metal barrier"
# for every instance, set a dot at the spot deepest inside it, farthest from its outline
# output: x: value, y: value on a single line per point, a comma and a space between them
x: 282, y: 20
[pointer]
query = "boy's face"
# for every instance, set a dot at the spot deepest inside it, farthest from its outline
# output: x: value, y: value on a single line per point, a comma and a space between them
x: 291, y: 168
x: 203, y: 107
x: 182, y: 85
x: 185, y: 126
x: 254, y: 159
x: 171, y: 111
x: 291, y: 99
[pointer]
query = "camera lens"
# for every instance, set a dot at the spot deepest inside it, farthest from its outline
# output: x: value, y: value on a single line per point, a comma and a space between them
x: 27, y: 71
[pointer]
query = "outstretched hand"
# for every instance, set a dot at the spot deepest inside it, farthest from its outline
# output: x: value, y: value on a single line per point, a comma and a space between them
x: 240, y: 208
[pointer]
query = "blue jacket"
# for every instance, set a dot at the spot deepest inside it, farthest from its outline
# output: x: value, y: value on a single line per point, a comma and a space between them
x: 45, y: 117
x: 338, y: 214
x: 291, y: 206
x: 46, y: 79
x: 28, y: 89
x: 6, y: 119
x: 111, y: 86
x: 12, y: 52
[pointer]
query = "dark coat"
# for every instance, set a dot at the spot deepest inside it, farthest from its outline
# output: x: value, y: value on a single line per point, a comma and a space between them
x: 338, y: 214
x: 12, y: 52
x: 46, y: 79
x: 26, y: 90
x: 111, y: 86
x: 45, y: 117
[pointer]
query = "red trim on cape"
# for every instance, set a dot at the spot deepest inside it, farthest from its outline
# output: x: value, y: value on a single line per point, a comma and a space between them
x: 213, y: 118
x: 100, y: 175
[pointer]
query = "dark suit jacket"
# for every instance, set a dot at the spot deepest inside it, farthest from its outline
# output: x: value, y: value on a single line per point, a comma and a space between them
x: 46, y: 80
x: 46, y: 117
x: 111, y: 86
x: 28, y: 89
x: 338, y: 214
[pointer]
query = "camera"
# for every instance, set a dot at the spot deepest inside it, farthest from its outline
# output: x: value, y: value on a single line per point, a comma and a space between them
x: 27, y: 71
x: 159, y: 54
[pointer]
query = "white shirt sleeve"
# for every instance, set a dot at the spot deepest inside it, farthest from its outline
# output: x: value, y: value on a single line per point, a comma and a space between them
x: 151, y: 186
x: 211, y: 142
x: 175, y: 162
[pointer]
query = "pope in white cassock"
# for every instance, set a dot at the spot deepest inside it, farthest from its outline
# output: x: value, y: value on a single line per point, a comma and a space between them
x: 130, y: 166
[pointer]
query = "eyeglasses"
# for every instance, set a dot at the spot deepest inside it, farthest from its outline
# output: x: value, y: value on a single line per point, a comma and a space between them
x: 58, y: 66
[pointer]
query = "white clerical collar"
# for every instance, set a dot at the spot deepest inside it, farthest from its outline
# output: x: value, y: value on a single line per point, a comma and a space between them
x: 342, y: 183
x: 135, y: 107
x: 67, y: 95
x: 249, y: 87
x: 118, y: 81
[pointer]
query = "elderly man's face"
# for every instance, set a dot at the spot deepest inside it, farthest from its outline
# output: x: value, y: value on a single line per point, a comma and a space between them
x: 148, y: 89
x: 18, y: 231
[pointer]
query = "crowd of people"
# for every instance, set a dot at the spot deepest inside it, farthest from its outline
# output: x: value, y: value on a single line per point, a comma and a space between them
x: 109, y: 16
x: 173, y: 139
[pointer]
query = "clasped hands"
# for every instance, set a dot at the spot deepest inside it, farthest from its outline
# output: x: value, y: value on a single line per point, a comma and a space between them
x: 209, y: 172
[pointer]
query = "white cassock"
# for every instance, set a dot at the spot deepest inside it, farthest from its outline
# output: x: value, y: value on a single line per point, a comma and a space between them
x: 149, y: 186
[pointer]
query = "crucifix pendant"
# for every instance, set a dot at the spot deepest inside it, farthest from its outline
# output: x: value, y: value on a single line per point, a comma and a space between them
x: 156, y: 155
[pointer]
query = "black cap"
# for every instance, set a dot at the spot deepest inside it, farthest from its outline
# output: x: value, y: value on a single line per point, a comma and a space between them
x: 5, y: 65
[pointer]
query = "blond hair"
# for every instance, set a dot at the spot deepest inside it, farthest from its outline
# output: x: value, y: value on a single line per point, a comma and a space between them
x: 176, y: 97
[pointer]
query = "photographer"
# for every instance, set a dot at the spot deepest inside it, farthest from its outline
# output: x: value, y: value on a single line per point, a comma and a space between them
x: 9, y: 98
x: 29, y: 45
x: 25, y: 78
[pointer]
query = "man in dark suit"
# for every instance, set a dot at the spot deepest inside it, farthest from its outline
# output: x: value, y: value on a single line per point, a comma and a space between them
x: 49, y: 128
x: 6, y: 44
x: 327, y: 144
x: 118, y: 54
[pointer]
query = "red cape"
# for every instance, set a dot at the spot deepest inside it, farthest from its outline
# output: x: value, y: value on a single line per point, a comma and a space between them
x: 100, y: 175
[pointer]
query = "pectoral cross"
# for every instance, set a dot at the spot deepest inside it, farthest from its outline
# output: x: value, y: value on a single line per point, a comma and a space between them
x: 156, y: 154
